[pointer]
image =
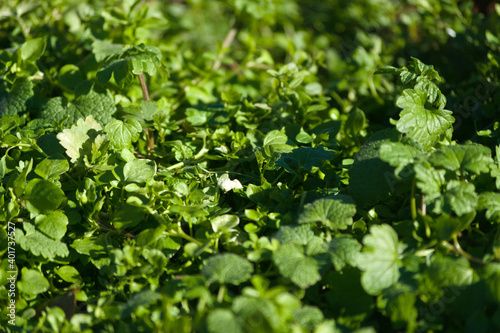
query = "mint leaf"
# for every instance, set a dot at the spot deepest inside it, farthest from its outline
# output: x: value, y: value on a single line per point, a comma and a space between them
x: 333, y: 212
x: 227, y: 268
x: 379, y: 260
x: 99, y: 105
x: 122, y: 134
x: 426, y: 125
x: 39, y: 244
x: 14, y: 100
x: 295, y: 265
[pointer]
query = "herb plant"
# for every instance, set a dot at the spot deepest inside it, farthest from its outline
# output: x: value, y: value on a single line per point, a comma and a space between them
x: 249, y: 166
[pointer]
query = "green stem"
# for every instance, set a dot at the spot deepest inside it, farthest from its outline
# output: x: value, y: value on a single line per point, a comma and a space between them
x: 149, y: 132
x: 221, y: 294
x: 458, y: 249
x: 277, y: 178
x: 227, y: 42
x: 413, y: 202
x: 176, y: 166
x: 182, y: 234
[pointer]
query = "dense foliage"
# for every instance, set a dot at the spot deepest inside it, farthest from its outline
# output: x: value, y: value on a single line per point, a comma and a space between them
x: 250, y: 166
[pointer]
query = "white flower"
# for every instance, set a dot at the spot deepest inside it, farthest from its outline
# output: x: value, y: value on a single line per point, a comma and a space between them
x: 227, y: 184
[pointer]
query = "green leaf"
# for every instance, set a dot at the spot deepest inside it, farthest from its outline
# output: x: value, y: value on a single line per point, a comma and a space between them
x: 69, y: 274
x: 346, y: 296
x: 42, y: 196
x: 461, y: 198
x: 303, y: 137
x: 70, y: 76
x: 425, y: 125
x: 136, y: 60
x: 370, y: 178
x: 490, y: 202
x: 277, y: 140
x: 355, y: 123
x: 127, y: 217
x: 33, y: 49
x: 122, y: 134
x: 99, y: 105
x: 308, y: 317
x: 429, y: 180
x: 32, y: 282
x: 140, y: 299
x: 402, y: 311
x: 149, y: 236
x: 20, y: 181
x: 223, y: 320
x: 14, y: 101
x: 295, y: 265
x: 225, y: 222
x: 76, y: 138
x: 379, y: 260
x: 492, y: 278
x: 328, y: 127
x: 139, y: 171
x: 301, y: 234
x: 103, y: 49
x: 333, y: 212
x: 52, y: 167
x: 198, y: 117
x: 446, y: 227
x: 447, y: 271
x: 38, y: 244
x: 304, y: 158
x: 474, y: 158
x: 388, y: 70
x: 344, y: 250
x: 227, y: 268
x: 398, y: 154
x: 248, y: 308
x: 53, y: 224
